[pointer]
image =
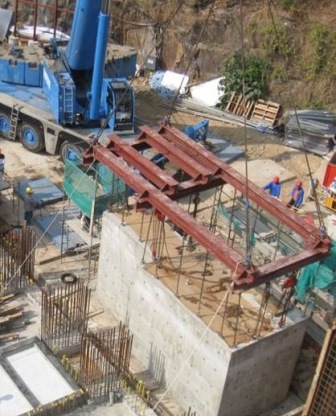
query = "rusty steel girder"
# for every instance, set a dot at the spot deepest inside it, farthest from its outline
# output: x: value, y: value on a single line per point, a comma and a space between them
x: 159, y: 190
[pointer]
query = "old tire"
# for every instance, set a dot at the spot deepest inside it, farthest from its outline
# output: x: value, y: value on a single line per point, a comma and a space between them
x: 31, y: 137
x: 4, y: 125
x: 72, y: 151
x: 69, y: 278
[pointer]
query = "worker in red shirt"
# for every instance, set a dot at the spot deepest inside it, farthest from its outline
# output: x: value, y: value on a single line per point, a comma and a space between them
x: 297, y: 194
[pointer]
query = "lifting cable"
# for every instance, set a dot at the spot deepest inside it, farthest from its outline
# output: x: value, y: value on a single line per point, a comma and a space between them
x: 248, y: 245
x: 229, y: 239
x: 318, y: 207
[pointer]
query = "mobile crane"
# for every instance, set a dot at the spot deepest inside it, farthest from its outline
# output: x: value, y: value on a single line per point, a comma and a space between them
x: 55, y: 96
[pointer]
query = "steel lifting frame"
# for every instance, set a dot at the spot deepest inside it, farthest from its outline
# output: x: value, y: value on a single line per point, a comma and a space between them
x: 156, y: 188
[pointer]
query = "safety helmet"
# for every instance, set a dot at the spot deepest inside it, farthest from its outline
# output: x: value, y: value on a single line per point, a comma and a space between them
x: 298, y: 184
x: 276, y: 179
x: 29, y: 190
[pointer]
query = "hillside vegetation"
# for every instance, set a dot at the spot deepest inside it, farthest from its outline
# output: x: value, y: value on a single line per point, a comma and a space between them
x: 295, y: 40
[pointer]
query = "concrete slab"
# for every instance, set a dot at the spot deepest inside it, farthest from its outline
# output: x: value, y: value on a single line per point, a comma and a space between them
x: 118, y: 409
x: 261, y: 171
x: 75, y: 225
x: 12, y: 401
x: 225, y: 150
x: 40, y: 376
x: 44, y: 191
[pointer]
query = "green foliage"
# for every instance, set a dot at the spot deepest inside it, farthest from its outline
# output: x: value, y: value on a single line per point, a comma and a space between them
x: 322, y: 55
x: 312, y: 102
x: 243, y: 74
x: 278, y: 72
x: 276, y: 40
x: 292, y: 5
x: 318, y: 36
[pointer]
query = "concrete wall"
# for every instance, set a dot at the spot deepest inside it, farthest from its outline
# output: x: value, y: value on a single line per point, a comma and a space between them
x: 198, y: 366
x: 260, y: 373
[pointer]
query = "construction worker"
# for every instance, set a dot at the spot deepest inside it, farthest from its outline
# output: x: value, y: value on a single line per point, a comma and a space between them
x: 29, y: 205
x: 297, y: 194
x: 288, y: 291
x: 274, y: 187
x: 314, y: 184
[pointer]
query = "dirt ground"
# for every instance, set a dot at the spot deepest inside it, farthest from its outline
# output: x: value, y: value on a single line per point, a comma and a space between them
x: 151, y: 109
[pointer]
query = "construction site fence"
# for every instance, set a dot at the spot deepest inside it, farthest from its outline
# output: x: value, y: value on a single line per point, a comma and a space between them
x: 104, y: 357
x: 64, y: 316
x: 321, y: 399
x: 17, y: 259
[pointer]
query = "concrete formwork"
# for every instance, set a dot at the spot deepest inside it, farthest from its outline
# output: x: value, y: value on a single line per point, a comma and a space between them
x: 30, y: 378
x: 199, y: 367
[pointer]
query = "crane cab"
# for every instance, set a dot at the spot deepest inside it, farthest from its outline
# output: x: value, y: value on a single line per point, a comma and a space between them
x: 120, y: 102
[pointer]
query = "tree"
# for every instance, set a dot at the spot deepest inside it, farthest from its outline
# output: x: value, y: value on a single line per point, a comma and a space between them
x: 243, y: 74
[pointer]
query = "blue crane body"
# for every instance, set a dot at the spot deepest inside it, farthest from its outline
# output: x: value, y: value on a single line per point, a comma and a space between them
x: 54, y: 96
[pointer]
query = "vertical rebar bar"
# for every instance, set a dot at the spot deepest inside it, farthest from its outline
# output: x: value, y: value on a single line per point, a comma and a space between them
x: 237, y: 320
x: 203, y: 282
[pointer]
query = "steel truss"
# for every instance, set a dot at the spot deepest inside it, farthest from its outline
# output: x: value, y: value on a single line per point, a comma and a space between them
x: 202, y: 171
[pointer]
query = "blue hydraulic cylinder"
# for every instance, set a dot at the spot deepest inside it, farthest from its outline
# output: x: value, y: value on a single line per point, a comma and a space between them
x: 81, y: 47
x: 99, y: 62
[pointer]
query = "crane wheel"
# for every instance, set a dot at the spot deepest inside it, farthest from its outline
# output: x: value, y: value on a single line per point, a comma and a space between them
x: 72, y: 151
x: 31, y: 137
x: 4, y: 125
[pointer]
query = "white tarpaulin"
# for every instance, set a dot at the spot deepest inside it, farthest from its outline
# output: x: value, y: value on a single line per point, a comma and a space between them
x: 43, y: 34
x: 207, y: 93
x: 175, y: 81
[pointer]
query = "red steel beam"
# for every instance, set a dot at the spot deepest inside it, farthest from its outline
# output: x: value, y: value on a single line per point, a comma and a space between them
x: 192, y: 149
x: 254, y: 193
x: 148, y: 169
x: 243, y: 277
x: 174, y: 154
x: 270, y: 271
x: 157, y: 176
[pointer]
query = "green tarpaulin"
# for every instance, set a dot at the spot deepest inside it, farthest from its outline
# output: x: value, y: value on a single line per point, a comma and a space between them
x: 86, y: 193
x: 320, y: 275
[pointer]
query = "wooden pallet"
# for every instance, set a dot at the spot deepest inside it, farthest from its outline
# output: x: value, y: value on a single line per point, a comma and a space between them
x: 266, y: 112
x: 238, y: 106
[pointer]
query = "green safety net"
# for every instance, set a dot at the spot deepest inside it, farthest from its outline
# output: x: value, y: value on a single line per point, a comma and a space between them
x: 224, y: 212
x: 86, y: 193
x: 320, y: 275
x: 237, y: 225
